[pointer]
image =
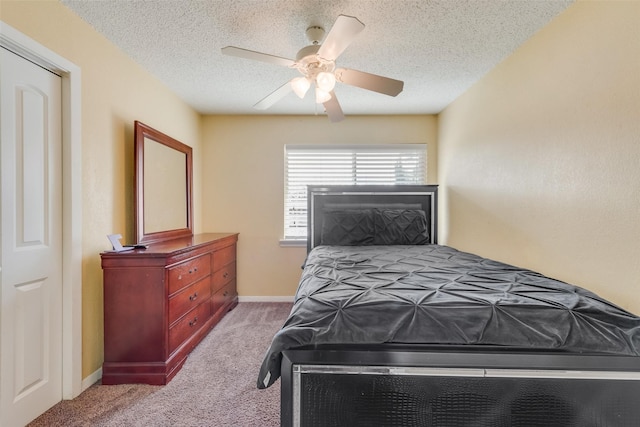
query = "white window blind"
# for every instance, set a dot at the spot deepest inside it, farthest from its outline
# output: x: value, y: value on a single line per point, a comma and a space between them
x: 392, y: 164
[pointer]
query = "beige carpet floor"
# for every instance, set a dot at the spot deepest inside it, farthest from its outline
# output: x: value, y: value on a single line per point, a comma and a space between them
x: 215, y: 387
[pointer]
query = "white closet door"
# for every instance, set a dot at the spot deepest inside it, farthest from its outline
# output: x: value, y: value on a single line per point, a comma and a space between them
x: 31, y: 240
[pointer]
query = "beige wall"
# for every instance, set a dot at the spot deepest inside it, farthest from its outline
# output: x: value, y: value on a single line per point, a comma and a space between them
x: 243, y: 180
x: 115, y: 92
x: 541, y: 159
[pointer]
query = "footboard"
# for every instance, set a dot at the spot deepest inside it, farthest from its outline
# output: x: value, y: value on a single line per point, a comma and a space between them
x: 336, y: 387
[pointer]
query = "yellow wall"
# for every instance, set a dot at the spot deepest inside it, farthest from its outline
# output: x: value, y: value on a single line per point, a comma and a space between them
x: 243, y: 176
x: 115, y: 92
x: 540, y: 160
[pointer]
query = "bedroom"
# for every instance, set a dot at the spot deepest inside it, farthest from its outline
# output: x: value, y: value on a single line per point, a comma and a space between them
x: 537, y: 161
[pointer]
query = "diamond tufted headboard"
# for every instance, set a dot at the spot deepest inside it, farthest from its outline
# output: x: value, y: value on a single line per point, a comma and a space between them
x: 323, y: 199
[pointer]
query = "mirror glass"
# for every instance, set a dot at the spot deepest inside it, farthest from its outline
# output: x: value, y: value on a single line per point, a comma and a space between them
x: 163, y: 186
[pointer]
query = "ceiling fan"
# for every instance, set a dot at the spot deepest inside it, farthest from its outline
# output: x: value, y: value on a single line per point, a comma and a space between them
x: 317, y: 64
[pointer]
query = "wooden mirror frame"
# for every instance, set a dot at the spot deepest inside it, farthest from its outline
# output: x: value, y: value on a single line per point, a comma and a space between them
x: 143, y: 132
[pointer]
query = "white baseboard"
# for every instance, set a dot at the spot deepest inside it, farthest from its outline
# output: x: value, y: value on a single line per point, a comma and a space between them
x: 92, y: 379
x: 265, y: 299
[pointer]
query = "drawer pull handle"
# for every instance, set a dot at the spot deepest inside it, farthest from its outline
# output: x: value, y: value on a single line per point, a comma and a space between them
x: 225, y: 293
x: 194, y: 321
x: 225, y: 275
x: 193, y: 297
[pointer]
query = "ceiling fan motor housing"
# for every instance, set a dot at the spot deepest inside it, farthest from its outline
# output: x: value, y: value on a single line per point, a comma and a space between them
x: 306, y: 52
x: 310, y: 64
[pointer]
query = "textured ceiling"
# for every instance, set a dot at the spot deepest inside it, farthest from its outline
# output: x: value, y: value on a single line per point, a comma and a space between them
x: 438, y: 48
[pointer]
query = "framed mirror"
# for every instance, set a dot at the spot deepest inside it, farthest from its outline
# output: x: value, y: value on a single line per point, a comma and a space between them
x: 163, y: 176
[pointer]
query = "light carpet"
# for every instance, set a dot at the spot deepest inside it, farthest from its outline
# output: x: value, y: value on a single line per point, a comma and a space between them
x: 215, y: 387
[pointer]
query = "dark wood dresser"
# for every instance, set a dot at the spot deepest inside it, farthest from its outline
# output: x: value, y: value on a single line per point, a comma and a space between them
x: 161, y: 301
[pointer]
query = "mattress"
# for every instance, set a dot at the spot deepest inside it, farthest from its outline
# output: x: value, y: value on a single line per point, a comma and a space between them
x: 434, y: 294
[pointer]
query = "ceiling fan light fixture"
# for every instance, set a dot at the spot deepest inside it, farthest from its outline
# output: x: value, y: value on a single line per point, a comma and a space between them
x: 326, y: 81
x: 300, y: 86
x: 322, y: 96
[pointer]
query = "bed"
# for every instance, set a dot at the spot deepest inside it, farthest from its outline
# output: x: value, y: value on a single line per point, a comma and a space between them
x: 390, y: 328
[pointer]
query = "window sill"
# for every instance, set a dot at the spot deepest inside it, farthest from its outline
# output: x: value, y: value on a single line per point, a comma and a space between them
x: 293, y: 243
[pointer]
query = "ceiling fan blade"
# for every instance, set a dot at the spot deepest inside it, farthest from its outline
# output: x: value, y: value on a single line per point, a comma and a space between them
x: 257, y: 56
x: 369, y: 81
x: 274, y: 97
x: 333, y: 109
x: 344, y: 30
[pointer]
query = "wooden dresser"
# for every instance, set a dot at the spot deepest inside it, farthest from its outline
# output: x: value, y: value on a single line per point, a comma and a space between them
x: 161, y: 301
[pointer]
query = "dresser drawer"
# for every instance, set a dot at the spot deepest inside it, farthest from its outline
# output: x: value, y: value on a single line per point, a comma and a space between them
x: 189, y: 272
x: 188, y: 325
x: 188, y: 298
x: 223, y: 276
x: 224, y: 256
x: 223, y: 296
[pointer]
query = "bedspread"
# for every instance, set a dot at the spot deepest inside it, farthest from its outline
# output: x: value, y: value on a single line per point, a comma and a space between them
x: 434, y: 294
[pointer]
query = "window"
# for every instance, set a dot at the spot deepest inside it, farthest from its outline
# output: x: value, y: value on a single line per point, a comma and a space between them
x: 392, y: 164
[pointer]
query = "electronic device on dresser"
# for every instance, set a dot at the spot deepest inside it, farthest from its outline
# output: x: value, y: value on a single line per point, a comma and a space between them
x: 163, y: 297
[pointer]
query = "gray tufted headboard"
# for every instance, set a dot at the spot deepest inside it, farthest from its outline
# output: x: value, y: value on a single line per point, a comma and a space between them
x: 353, y: 197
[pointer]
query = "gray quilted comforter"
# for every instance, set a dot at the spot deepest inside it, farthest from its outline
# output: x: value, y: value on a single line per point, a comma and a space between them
x: 435, y: 294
